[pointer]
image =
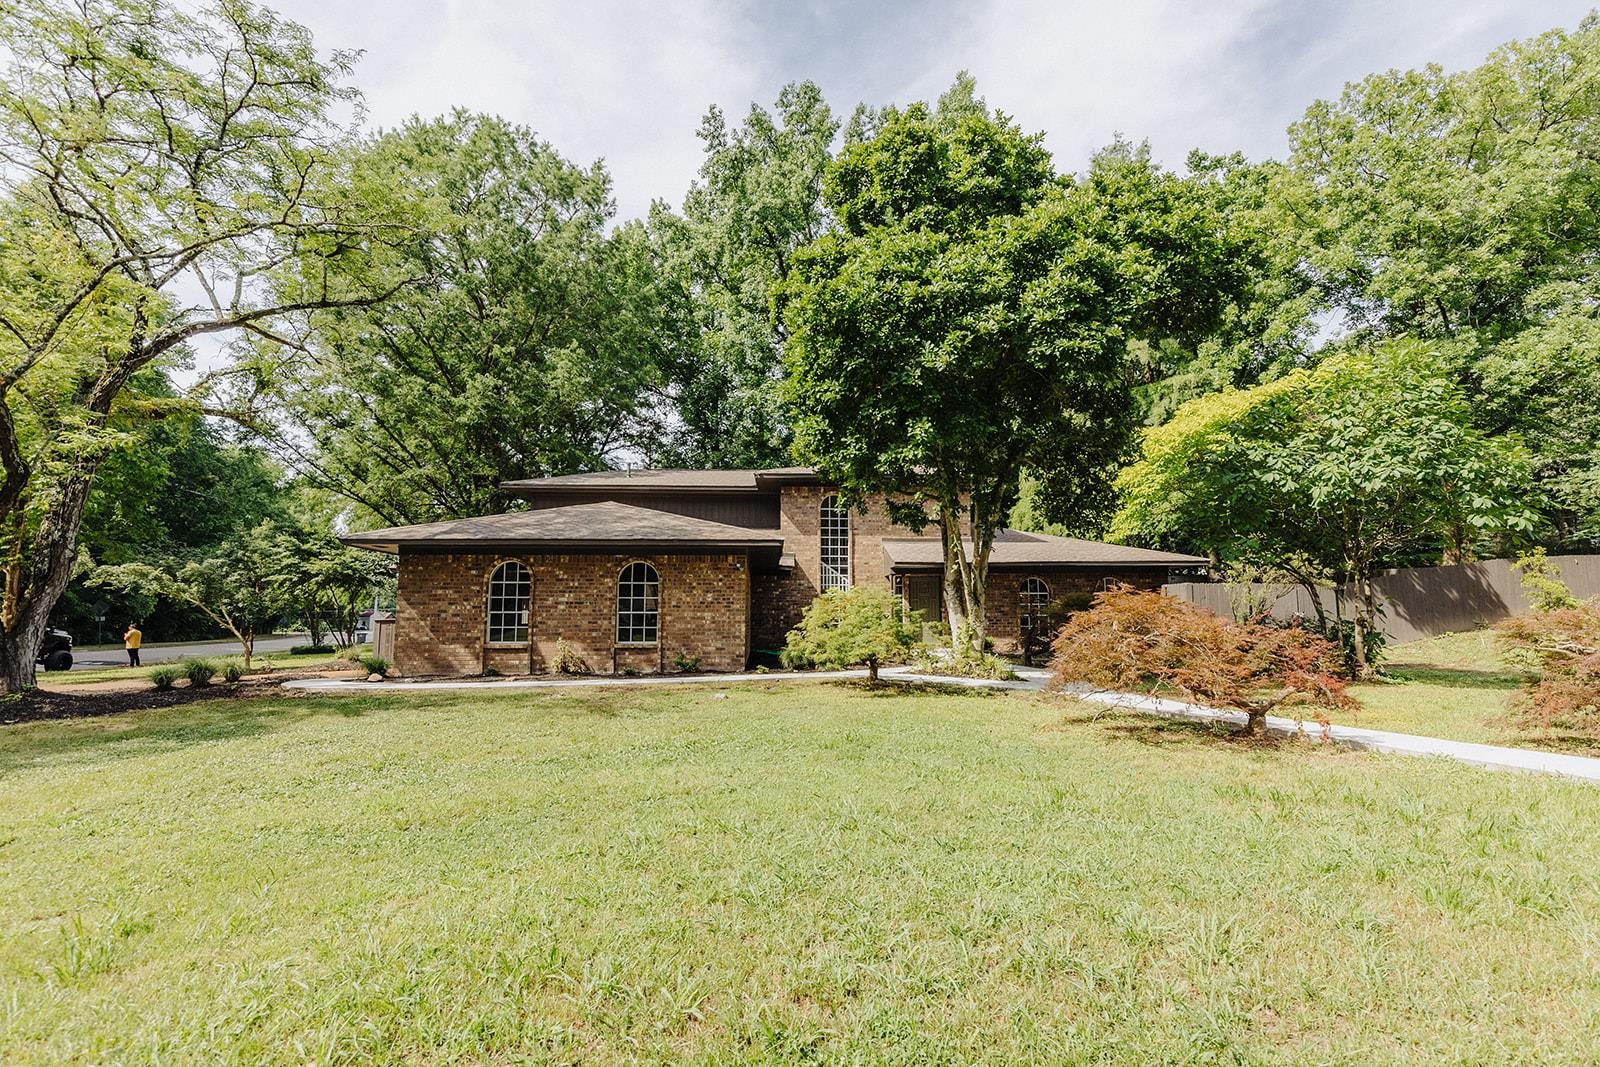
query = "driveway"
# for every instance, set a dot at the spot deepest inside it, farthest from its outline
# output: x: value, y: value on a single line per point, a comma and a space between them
x: 84, y: 659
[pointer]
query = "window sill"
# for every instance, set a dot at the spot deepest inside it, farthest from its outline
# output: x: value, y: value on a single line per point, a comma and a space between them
x: 637, y: 644
x: 506, y: 644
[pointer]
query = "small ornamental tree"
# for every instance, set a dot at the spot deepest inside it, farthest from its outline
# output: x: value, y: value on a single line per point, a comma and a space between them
x: 843, y: 627
x: 1559, y: 652
x: 237, y: 587
x: 1150, y: 643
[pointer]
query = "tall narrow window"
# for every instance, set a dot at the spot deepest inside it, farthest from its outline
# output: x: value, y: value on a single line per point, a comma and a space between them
x: 638, y: 605
x: 835, y: 545
x: 509, y: 589
x: 1035, y: 605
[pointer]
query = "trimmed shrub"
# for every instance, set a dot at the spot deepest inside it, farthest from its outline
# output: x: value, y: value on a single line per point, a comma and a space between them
x: 373, y: 664
x: 311, y: 650
x: 164, y: 675
x: 685, y: 664
x: 232, y: 669
x: 844, y: 627
x: 1149, y: 643
x: 198, y: 671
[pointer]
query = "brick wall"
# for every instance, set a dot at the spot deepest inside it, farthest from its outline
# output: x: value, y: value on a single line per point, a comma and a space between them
x: 781, y: 599
x: 705, y: 613
x: 1002, y: 603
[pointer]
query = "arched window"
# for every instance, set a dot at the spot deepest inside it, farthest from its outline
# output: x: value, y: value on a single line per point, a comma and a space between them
x: 638, y: 605
x: 835, y: 545
x: 509, y: 589
x: 1035, y: 605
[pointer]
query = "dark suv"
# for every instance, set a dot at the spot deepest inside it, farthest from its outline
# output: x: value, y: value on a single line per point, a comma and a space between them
x: 56, y: 652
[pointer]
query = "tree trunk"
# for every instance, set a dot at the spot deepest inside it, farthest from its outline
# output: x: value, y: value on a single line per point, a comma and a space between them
x: 1366, y: 615
x: 1255, y: 722
x: 872, y: 670
x: 35, y: 584
x: 955, y: 589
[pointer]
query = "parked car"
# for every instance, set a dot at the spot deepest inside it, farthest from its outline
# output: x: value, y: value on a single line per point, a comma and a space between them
x: 56, y: 652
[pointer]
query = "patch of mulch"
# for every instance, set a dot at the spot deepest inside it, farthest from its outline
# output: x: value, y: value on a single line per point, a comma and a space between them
x: 90, y: 700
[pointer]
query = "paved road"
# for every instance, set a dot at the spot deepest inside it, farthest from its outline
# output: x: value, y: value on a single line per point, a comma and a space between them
x: 83, y: 659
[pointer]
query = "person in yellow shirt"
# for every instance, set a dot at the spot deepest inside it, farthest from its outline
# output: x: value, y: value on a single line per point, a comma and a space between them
x: 130, y: 641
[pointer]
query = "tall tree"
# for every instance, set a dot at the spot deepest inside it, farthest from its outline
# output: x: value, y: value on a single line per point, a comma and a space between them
x: 1465, y: 207
x: 970, y: 319
x: 1363, y: 462
x: 526, y: 352
x: 758, y: 199
x: 146, y: 150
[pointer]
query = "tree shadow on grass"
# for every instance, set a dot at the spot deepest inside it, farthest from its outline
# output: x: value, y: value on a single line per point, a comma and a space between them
x: 61, y: 742
x: 1161, y: 732
x: 1451, y: 677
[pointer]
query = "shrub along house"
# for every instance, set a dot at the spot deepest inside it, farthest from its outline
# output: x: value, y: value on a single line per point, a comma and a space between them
x: 660, y: 570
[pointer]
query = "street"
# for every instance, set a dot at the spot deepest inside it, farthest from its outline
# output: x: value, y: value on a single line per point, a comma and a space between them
x: 85, y: 659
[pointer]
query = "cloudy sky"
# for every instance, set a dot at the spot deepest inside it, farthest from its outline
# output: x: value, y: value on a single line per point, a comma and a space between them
x: 628, y: 81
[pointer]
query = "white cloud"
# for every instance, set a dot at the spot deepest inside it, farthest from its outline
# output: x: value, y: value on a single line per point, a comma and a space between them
x: 628, y: 81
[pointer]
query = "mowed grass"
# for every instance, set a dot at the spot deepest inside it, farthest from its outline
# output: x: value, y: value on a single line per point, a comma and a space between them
x: 1454, y: 686
x: 781, y: 873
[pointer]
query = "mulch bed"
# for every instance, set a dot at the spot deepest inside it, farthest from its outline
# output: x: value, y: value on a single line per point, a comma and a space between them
x: 40, y: 704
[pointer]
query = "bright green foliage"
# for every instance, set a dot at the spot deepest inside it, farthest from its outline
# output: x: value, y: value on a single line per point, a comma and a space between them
x: 1369, y: 459
x: 199, y: 671
x: 1541, y: 582
x: 1466, y: 206
x: 149, y: 148
x: 323, y: 583
x: 528, y: 350
x: 163, y: 675
x: 969, y: 319
x: 846, y: 627
x: 758, y: 199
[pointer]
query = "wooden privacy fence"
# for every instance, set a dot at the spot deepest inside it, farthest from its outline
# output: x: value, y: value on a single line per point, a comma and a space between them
x: 1417, y: 601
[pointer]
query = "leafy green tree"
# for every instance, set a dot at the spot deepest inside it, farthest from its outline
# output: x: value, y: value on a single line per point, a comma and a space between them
x: 528, y: 350
x: 1367, y: 460
x: 758, y: 199
x: 969, y: 320
x: 149, y: 150
x: 844, y: 627
x: 239, y: 586
x: 324, y: 583
x: 1465, y: 207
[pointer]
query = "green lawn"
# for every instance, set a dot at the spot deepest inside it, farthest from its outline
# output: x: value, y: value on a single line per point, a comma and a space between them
x: 784, y: 873
x: 1454, y: 686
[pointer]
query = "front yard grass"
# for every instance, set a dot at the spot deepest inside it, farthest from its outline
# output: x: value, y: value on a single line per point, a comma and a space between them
x: 779, y: 872
x: 1454, y: 686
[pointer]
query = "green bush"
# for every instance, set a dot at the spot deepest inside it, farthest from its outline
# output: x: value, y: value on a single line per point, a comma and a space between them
x: 373, y: 664
x: 198, y: 671
x: 685, y: 664
x: 311, y: 650
x: 232, y: 669
x: 843, y: 627
x: 164, y: 675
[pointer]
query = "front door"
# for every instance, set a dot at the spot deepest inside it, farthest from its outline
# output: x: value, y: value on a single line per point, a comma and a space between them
x: 923, y: 594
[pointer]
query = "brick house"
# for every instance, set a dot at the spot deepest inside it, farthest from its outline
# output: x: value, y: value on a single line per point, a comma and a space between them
x: 658, y: 570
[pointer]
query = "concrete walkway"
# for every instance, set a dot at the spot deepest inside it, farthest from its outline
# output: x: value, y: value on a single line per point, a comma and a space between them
x: 1494, y: 757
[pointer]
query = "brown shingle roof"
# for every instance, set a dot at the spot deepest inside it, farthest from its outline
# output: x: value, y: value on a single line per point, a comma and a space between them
x: 1016, y: 548
x: 603, y: 524
x: 665, y: 479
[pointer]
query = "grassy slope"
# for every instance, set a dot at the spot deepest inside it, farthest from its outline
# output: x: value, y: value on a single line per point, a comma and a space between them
x: 786, y: 873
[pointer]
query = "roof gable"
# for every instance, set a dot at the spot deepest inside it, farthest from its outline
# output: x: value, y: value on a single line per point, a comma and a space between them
x: 596, y: 524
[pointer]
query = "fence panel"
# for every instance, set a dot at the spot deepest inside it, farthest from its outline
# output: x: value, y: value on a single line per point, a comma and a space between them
x: 1417, y: 601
